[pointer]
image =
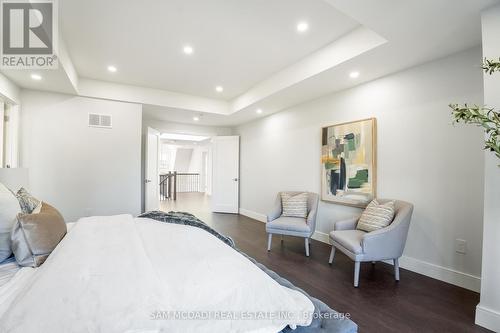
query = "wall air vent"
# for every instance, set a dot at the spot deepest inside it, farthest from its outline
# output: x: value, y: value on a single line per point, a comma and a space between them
x: 100, y: 120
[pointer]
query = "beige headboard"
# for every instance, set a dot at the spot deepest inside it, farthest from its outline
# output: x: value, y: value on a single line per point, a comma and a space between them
x: 14, y: 178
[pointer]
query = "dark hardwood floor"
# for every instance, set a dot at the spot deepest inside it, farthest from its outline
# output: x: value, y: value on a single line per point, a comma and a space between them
x: 416, y: 304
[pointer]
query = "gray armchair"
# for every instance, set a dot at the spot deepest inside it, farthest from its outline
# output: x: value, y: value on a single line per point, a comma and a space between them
x: 384, y: 244
x: 292, y: 226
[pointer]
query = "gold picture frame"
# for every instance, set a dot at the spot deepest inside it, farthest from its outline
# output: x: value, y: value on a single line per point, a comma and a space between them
x: 349, y: 162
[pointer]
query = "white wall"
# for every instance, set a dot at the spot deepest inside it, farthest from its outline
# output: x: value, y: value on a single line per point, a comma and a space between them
x: 183, y: 159
x: 196, y: 164
x: 78, y: 169
x: 422, y: 158
x: 488, y: 311
x: 167, y: 154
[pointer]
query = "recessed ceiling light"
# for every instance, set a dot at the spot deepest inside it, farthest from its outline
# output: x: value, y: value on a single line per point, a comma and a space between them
x: 259, y: 111
x: 196, y: 118
x: 219, y: 89
x: 36, y: 77
x: 354, y: 75
x: 112, y: 69
x: 302, y: 27
x: 188, y: 49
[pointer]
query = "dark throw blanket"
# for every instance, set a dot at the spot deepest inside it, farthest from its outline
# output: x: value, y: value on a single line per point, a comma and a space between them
x: 324, y: 319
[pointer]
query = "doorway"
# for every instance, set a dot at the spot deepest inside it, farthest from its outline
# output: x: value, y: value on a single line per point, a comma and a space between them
x: 196, y: 174
x: 184, y: 172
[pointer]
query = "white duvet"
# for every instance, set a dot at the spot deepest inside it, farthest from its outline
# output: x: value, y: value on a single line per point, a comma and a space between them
x: 119, y: 274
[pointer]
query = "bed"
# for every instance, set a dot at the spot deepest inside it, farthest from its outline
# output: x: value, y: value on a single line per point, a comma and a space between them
x: 125, y: 274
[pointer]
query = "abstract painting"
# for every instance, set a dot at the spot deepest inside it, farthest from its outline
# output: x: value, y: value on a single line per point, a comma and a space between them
x: 348, y: 163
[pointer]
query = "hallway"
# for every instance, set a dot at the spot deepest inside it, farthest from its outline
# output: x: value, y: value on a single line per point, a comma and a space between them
x: 196, y: 203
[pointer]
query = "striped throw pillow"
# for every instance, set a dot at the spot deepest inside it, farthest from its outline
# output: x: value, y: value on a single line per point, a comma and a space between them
x: 294, y: 205
x: 376, y: 216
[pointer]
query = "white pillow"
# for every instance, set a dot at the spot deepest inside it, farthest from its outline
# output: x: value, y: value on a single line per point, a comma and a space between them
x: 9, y: 208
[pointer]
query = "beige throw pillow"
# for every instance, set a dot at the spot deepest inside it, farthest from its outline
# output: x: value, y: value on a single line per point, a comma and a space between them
x: 35, y: 236
x: 294, y: 205
x: 376, y: 216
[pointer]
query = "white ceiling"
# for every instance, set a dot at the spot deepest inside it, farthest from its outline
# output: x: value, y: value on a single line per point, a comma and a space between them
x: 237, y: 43
x: 184, y: 116
x: 251, y: 48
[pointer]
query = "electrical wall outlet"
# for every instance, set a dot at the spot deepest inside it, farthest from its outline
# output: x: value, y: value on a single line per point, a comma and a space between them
x: 460, y: 246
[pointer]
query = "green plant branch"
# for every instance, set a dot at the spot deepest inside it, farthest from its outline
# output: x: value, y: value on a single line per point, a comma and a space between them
x: 485, y: 117
x: 491, y: 66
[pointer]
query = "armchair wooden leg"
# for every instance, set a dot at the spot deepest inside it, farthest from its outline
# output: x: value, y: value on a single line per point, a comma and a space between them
x: 269, y: 240
x: 332, y: 255
x: 396, y: 269
x: 357, y: 266
x: 282, y: 238
x: 306, y: 242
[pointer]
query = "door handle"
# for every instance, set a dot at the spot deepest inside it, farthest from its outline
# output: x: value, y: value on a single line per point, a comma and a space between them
x: 147, y: 181
x: 235, y: 179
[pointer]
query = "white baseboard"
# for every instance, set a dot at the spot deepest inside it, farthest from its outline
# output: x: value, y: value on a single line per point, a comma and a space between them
x: 253, y: 215
x: 321, y: 236
x: 434, y: 271
x: 461, y: 279
x: 488, y: 318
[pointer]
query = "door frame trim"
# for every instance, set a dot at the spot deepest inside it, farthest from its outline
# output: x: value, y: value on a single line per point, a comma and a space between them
x: 150, y: 131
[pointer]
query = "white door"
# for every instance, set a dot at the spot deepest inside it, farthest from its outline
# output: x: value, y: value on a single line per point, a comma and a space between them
x: 226, y: 171
x: 151, y: 183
